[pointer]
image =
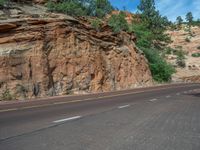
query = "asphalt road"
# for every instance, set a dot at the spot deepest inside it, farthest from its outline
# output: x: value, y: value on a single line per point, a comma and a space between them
x: 160, y: 118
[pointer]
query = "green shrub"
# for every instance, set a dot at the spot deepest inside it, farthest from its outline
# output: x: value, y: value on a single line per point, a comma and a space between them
x: 143, y: 34
x: 180, y: 53
x: 118, y: 22
x: 179, y: 47
x: 2, y: 2
x: 97, y: 8
x: 187, y: 39
x: 6, y: 95
x: 180, y: 62
x: 196, y: 55
x: 169, y: 50
x: 152, y: 39
x: 96, y: 24
x: 160, y: 69
x: 50, y: 6
x: 73, y: 8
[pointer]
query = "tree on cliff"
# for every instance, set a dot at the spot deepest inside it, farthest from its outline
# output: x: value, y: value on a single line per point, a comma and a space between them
x: 151, y: 39
x: 151, y: 15
x: 97, y: 8
x: 118, y: 22
x: 74, y: 8
x: 189, y: 18
x: 147, y: 7
x: 179, y: 21
x: 154, y: 21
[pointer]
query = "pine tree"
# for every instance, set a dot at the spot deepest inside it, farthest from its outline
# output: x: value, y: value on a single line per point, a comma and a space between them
x: 152, y: 16
x: 179, y: 21
x: 97, y: 8
x: 118, y: 22
x: 102, y: 7
x: 154, y: 21
x: 189, y: 18
x: 147, y: 7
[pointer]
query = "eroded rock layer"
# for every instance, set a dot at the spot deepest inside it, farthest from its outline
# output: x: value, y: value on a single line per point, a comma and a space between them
x: 46, y: 57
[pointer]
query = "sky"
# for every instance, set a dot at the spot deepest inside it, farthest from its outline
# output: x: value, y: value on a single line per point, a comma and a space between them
x: 169, y: 8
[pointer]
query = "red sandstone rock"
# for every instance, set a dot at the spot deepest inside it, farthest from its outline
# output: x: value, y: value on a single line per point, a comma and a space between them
x: 45, y: 57
x: 7, y: 26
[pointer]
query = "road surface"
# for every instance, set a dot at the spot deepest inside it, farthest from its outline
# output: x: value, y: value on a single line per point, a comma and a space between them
x: 159, y: 118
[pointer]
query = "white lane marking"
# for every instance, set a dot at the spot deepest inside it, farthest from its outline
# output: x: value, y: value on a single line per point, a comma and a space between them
x: 177, y: 93
x: 168, y: 96
x: 152, y: 100
x: 58, y: 103
x: 67, y: 119
x: 125, y: 106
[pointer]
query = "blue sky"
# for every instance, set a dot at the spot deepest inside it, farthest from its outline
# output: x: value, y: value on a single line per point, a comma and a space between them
x: 169, y: 8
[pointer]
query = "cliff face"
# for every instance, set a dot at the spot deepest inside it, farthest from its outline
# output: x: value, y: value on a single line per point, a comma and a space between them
x: 191, y: 72
x: 47, y: 56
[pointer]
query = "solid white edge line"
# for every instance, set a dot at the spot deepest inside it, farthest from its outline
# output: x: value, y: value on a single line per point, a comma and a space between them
x: 67, y: 119
x: 124, y: 106
x: 6, y: 110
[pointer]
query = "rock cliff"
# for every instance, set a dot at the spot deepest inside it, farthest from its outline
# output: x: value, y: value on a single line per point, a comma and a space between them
x: 190, y: 44
x: 48, y: 56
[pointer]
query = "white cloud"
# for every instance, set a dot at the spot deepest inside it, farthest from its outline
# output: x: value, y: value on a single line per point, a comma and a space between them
x: 174, y: 8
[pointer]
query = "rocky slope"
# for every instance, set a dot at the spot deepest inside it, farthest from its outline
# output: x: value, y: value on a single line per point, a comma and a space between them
x: 190, y: 44
x: 50, y: 54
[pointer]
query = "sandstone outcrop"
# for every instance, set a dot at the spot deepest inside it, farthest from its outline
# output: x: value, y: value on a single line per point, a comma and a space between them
x: 57, y: 56
x: 191, y: 71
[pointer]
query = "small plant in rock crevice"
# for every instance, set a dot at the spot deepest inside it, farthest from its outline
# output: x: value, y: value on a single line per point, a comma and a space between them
x: 187, y: 39
x: 96, y: 24
x: 196, y: 55
x: 7, y: 96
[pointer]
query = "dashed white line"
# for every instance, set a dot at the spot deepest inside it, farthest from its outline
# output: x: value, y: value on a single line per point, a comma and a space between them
x: 124, y: 106
x: 67, y: 119
x: 58, y: 103
x: 168, y: 96
x: 152, y: 100
x: 177, y: 93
